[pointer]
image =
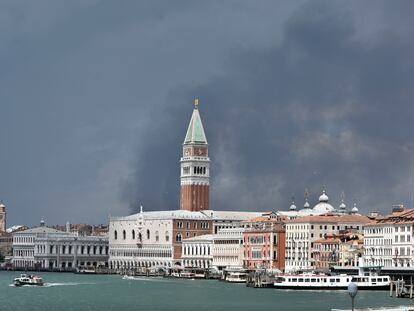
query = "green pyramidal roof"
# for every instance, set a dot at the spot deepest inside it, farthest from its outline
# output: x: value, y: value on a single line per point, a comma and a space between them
x: 195, y: 131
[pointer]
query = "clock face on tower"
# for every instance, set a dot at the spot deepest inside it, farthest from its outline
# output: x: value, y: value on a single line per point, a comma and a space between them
x: 200, y: 151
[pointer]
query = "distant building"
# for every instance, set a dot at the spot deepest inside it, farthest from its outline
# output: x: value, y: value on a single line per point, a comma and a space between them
x: 264, y: 245
x: 47, y: 248
x: 83, y: 229
x: 196, y: 252
x: 227, y: 249
x: 301, y: 234
x: 2, y: 217
x: 323, y: 207
x: 153, y: 239
x: 388, y: 241
x: 230, y: 219
x: 6, y: 242
x: 342, y: 249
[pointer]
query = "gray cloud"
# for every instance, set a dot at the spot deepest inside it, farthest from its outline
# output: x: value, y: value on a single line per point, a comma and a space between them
x: 96, y: 98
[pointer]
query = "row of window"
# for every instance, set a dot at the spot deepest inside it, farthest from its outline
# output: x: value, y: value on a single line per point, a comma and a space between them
x: 148, y: 235
x: 197, y: 170
x: 257, y: 254
x: 203, y: 225
x: 24, y: 239
x: 196, y: 250
x: 142, y: 253
x: 227, y: 241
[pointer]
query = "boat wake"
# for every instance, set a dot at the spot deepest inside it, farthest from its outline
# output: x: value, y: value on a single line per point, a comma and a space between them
x: 65, y: 284
x: 54, y: 284
x: 145, y: 279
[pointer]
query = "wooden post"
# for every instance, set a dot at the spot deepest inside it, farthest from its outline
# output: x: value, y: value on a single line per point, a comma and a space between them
x: 411, y: 291
x: 391, y: 283
x: 396, y: 288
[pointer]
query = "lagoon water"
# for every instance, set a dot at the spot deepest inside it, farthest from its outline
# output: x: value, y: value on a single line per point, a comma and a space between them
x: 74, y: 292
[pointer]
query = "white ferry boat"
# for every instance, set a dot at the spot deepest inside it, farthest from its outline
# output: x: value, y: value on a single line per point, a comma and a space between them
x: 367, y: 279
x: 27, y: 279
x: 187, y: 275
x: 236, y: 277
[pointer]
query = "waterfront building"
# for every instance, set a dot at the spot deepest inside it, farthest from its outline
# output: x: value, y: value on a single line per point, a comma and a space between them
x: 196, y: 252
x: 388, y: 241
x: 195, y: 166
x: 230, y: 219
x: 47, y: 248
x: 227, y: 248
x: 264, y: 244
x: 342, y: 249
x: 302, y: 232
x: 84, y: 229
x: 2, y: 217
x: 351, y: 251
x: 153, y: 239
x: 6, y: 242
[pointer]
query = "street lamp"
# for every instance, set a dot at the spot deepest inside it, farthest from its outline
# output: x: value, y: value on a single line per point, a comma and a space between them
x: 352, y: 291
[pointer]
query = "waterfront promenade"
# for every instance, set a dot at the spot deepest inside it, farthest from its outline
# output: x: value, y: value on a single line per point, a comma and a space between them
x: 73, y: 292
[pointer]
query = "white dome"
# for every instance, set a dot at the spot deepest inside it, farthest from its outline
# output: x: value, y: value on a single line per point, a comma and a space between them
x: 342, y: 206
x: 2, y: 205
x: 323, y: 207
x: 292, y: 206
x: 306, y: 205
x: 323, y: 197
x: 355, y: 209
x: 306, y: 212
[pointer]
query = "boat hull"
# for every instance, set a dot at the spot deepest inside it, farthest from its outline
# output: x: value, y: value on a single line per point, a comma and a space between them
x: 373, y: 288
x: 19, y: 283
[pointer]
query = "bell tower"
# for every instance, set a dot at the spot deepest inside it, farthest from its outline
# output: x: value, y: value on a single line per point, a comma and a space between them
x: 2, y: 217
x: 195, y: 166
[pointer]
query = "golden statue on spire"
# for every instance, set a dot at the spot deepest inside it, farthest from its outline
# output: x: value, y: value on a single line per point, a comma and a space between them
x: 196, y: 103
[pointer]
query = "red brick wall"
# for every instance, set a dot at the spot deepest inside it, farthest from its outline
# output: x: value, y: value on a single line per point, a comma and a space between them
x: 190, y: 230
x: 194, y: 197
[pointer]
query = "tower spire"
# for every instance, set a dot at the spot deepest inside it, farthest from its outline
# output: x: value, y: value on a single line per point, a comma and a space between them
x: 195, y: 132
x: 306, y: 205
x: 195, y: 166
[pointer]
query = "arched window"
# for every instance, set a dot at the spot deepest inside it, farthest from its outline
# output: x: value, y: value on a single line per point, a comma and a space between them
x: 178, y: 237
x: 167, y: 237
x: 204, y: 170
x: 133, y: 234
x: 139, y: 237
x: 115, y: 235
x: 195, y: 170
x: 157, y: 237
x: 124, y: 234
x: 148, y: 234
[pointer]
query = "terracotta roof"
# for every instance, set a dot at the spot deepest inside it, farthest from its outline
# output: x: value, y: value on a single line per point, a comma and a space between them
x: 405, y: 217
x: 277, y: 219
x: 328, y: 240
x: 331, y: 218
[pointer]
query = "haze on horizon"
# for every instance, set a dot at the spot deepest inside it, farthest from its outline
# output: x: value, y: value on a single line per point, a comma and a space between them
x: 96, y: 97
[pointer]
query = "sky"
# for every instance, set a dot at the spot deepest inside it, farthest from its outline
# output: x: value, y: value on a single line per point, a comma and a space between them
x: 96, y: 97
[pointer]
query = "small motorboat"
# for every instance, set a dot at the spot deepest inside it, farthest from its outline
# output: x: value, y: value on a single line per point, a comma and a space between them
x: 27, y: 279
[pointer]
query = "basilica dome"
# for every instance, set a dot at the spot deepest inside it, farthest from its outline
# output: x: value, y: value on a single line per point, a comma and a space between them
x: 323, y: 206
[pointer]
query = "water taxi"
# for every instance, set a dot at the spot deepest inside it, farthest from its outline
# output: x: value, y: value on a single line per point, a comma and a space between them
x: 27, y: 279
x: 236, y: 277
